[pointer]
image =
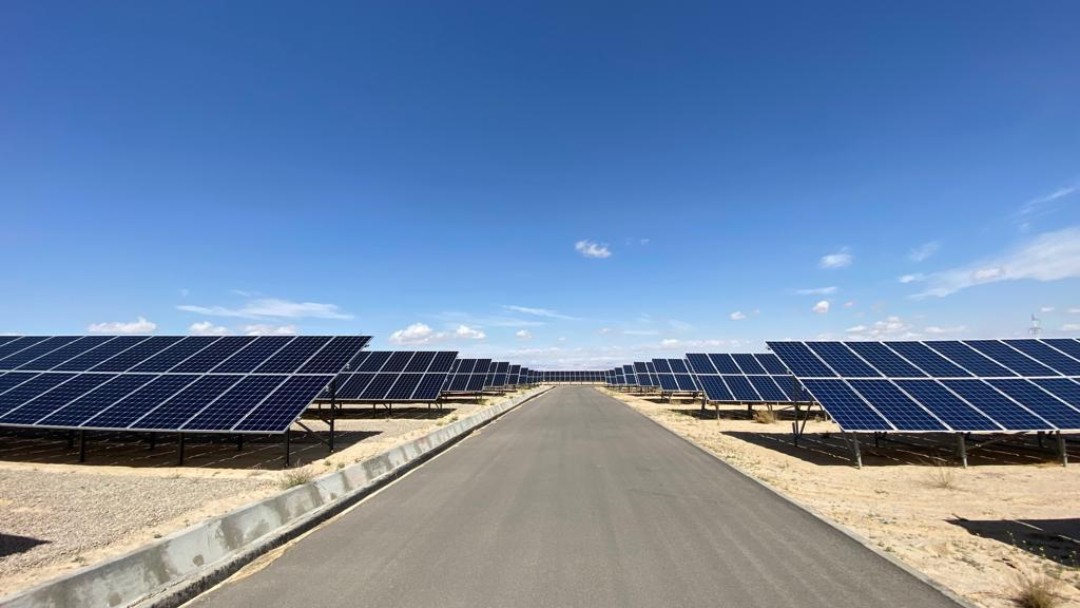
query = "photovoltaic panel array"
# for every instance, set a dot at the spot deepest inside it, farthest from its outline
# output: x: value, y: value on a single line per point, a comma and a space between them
x: 674, y: 376
x: 395, y: 377
x: 233, y: 384
x: 559, y: 376
x: 467, y: 376
x: 942, y: 386
x: 497, y: 373
x: 743, y: 378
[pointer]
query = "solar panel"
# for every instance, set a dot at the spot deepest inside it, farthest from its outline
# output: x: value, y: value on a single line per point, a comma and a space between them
x: 942, y: 386
x: 400, y: 376
x: 742, y: 377
x: 166, y: 383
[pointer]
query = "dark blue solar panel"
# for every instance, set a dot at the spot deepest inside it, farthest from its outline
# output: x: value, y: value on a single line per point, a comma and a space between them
x: 685, y: 382
x: 295, y: 355
x: 58, y: 356
x: 724, y: 363
x: 19, y: 344
x: 842, y: 360
x: 501, y: 367
x: 465, y: 366
x: 741, y: 389
x: 845, y: 406
x: 40, y: 349
x: 213, y: 355
x: 380, y: 385
x: 927, y: 360
x: 278, y: 411
x: 136, y: 354
x: 662, y: 366
x: 47, y: 403
x: 168, y: 359
x: 668, y: 383
x: 459, y: 383
x: 885, y: 360
x: 791, y: 387
x: 771, y: 363
x: 9, y: 381
x: 232, y: 406
x: 768, y: 389
x: 103, y: 352
x: 997, y: 406
x: 678, y: 366
x: 442, y: 362
x: 430, y: 387
x: 375, y: 361
x: 800, y: 360
x: 748, y: 363
x: 896, y: 407
x: 1016, y: 361
x: 137, y: 404
x: 1045, y: 405
x: 1064, y: 389
x: 30, y: 389
x: 699, y: 363
x: 397, y: 361
x: 255, y: 354
x: 1048, y: 356
x: 420, y: 362
x: 715, y: 389
x: 482, y: 366
x: 6, y: 339
x: 335, y: 355
x: 1069, y: 347
x: 354, y: 386
x: 954, y: 411
x: 96, y: 401
x: 500, y: 380
x: 182, y: 406
x: 969, y: 359
x: 357, y: 361
x: 404, y: 387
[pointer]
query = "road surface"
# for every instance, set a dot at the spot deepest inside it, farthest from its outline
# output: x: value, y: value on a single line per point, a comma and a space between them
x: 574, y: 499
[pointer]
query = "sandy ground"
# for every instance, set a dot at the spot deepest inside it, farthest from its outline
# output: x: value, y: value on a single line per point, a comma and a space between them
x: 978, y: 531
x: 57, y: 515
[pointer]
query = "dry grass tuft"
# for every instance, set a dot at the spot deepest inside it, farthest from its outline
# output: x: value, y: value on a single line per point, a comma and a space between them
x: 1038, y: 591
x: 295, y: 477
x: 764, y: 416
x: 942, y: 475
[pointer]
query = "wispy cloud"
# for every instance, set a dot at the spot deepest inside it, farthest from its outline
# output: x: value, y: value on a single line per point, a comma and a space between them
x: 206, y: 328
x: 1051, y: 256
x: 817, y: 291
x: 523, y: 334
x: 1070, y: 327
x: 138, y: 326
x: 540, y: 312
x: 271, y: 308
x: 912, y: 278
x: 421, y: 333
x: 1042, y: 205
x: 924, y: 252
x: 263, y: 329
x: 821, y: 307
x: 738, y: 315
x: 592, y: 249
x: 838, y: 259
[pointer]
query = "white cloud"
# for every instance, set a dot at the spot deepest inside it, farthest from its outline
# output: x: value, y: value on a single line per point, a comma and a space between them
x: 821, y: 307
x: 937, y: 331
x: 1071, y: 327
x: 138, y: 326
x: 269, y: 308
x: 1074, y: 311
x: 912, y: 278
x: 838, y: 259
x: 591, y: 249
x: 817, y: 291
x: 263, y: 329
x: 1046, y: 309
x: 849, y: 304
x: 1041, y: 205
x: 523, y: 334
x: 738, y: 315
x: 417, y: 333
x: 206, y: 328
x: 540, y: 312
x: 924, y: 252
x: 1050, y: 256
x: 469, y: 333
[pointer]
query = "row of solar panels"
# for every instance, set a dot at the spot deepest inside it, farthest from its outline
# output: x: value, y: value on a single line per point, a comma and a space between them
x: 235, y: 384
x: 423, y: 377
x: 941, y: 386
x: 722, y: 377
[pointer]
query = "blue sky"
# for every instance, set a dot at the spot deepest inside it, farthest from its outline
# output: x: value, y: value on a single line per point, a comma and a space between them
x: 567, y: 185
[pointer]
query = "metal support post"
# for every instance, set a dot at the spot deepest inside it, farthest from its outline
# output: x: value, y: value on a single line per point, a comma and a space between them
x: 854, y: 442
x: 750, y: 411
x: 152, y: 442
x: 1061, y: 449
x: 333, y: 408
x: 287, y: 447
x: 82, y: 446
x: 961, y: 449
x: 71, y: 439
x: 239, y: 443
x: 180, y: 449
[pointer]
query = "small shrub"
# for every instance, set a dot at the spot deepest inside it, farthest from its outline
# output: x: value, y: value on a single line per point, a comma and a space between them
x: 295, y: 477
x: 1038, y: 591
x: 764, y: 416
x: 942, y: 476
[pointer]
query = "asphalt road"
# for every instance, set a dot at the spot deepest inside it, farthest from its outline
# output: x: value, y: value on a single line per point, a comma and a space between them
x: 576, y: 500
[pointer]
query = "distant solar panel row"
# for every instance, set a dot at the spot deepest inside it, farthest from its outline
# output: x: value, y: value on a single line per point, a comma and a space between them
x: 963, y: 386
x: 236, y: 384
x: 467, y: 376
x: 401, y: 376
x: 572, y: 376
x: 743, y: 378
x: 673, y: 375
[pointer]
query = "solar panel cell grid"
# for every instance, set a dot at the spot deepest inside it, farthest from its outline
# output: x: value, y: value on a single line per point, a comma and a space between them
x: 748, y: 364
x: 284, y: 405
x: 248, y: 359
x: 30, y: 389
x: 84, y: 408
x: 970, y: 359
x: 184, y: 405
x: 767, y: 388
x: 1042, y: 403
x: 398, y: 361
x: 234, y: 404
x: 47, y: 403
x: 420, y: 362
x: 39, y: 349
x: 700, y: 363
x: 884, y: 360
x: 1049, y: 356
x: 949, y: 408
x: 741, y: 388
x: 800, y: 360
x: 404, y: 387
x: 997, y: 406
x: 69, y: 351
x: 173, y: 356
x: 715, y: 389
x: 1069, y: 347
x: 18, y: 344
x: 336, y: 355
x: 842, y: 360
x: 121, y: 413
x: 771, y: 363
x: 430, y: 387
x: 846, y: 406
x: 293, y: 356
x: 374, y: 361
x: 896, y: 407
x: 1010, y: 358
x: 927, y: 360
x: 213, y: 355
